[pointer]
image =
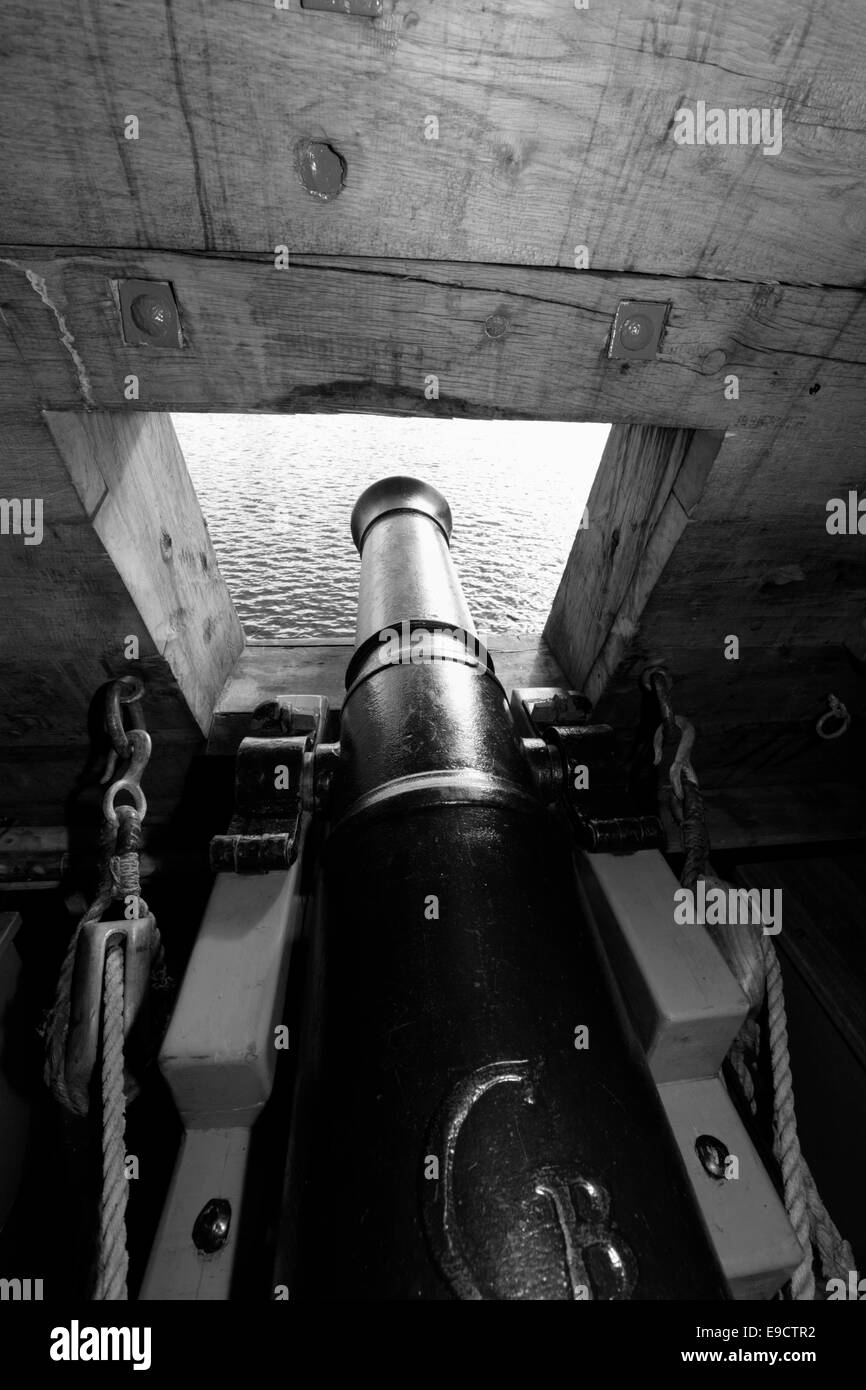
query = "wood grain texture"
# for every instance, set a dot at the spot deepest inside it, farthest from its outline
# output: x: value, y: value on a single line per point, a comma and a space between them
x: 555, y: 129
x: 67, y: 610
x: 822, y: 915
x: 752, y: 1236
x: 356, y: 334
x: 635, y: 518
x: 210, y: 1162
x: 131, y: 477
x: 756, y: 562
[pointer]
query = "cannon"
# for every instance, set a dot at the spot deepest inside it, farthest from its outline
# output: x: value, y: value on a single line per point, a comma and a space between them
x: 472, y: 1117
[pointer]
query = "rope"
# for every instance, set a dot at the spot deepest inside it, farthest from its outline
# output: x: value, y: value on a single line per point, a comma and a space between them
x: 119, y: 880
x: 756, y: 966
x: 113, y: 1259
x: 786, y: 1145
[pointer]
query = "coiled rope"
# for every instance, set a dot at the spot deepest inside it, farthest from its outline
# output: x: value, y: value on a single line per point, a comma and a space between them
x: 755, y: 964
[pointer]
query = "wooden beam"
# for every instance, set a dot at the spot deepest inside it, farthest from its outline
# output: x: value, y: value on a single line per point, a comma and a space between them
x: 756, y: 561
x: 99, y: 576
x: 355, y: 334
x: 753, y: 1238
x: 554, y: 129
x: 648, y: 481
x: 684, y: 1003
x: 129, y: 473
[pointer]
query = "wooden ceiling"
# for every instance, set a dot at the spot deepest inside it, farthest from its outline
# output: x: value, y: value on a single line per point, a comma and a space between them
x: 455, y: 257
x: 554, y: 129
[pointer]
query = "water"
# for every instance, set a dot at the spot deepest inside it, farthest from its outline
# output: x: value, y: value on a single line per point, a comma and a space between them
x: 277, y: 493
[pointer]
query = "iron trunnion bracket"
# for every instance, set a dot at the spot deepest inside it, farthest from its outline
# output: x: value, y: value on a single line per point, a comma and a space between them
x: 471, y: 1118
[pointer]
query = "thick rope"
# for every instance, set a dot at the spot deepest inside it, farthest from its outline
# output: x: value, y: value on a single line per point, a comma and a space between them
x: 113, y: 1259
x: 118, y: 882
x: 756, y: 966
x: 786, y: 1144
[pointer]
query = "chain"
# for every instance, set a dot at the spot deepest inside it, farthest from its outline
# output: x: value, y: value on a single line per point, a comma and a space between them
x: 123, y: 694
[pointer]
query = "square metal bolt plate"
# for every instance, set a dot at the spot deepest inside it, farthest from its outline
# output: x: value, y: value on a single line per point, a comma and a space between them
x: 148, y: 314
x: 637, y: 329
x: 373, y: 8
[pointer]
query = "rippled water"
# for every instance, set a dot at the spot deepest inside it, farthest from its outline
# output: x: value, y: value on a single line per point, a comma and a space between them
x: 277, y: 492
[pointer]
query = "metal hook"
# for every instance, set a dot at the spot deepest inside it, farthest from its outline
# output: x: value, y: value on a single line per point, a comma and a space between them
x: 140, y: 743
x: 682, y: 758
x: 836, y: 711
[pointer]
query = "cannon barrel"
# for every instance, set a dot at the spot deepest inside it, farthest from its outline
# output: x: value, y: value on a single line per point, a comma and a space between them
x: 473, y: 1118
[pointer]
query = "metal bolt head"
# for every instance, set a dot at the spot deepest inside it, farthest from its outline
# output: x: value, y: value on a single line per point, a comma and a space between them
x: 148, y: 314
x: 712, y: 1154
x: 637, y: 329
x: 211, y: 1229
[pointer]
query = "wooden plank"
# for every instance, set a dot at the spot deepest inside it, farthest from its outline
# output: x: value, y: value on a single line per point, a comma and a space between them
x: 218, y: 1055
x: 757, y: 562
x: 366, y: 335
x: 792, y: 814
x: 822, y: 916
x: 211, y: 1163
x: 684, y: 1003
x: 748, y: 759
x: 768, y: 685
x: 555, y: 129
x: 65, y: 618
x: 635, y: 519
x: 130, y: 474
x: 65, y: 613
x: 784, y: 572
x: 744, y: 1216
x: 42, y: 785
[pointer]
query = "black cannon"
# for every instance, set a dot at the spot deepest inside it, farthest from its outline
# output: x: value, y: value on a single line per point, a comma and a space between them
x: 472, y: 1117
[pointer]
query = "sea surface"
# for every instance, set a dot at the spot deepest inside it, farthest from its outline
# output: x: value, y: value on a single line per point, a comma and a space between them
x: 277, y: 492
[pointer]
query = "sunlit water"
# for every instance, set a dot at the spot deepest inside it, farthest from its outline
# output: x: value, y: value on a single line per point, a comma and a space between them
x: 277, y: 493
